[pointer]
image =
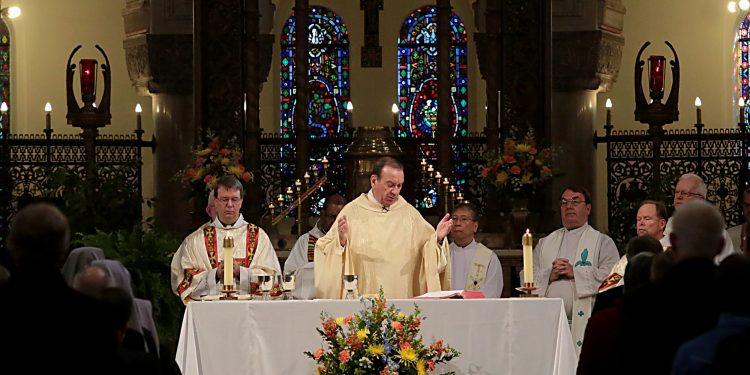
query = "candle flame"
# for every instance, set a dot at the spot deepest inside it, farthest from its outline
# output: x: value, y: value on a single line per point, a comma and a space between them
x: 608, y: 104
x: 698, y: 101
x: 14, y: 12
x: 4, y: 107
x: 741, y: 102
x: 349, y: 106
x: 48, y: 107
x: 528, y: 231
x: 138, y: 108
x: 394, y: 108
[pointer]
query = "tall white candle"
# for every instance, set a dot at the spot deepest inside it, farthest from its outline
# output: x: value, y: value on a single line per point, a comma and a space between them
x: 528, y: 261
x: 228, y: 261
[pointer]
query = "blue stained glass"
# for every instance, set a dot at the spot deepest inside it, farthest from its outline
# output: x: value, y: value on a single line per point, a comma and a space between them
x: 328, y: 74
x: 418, y: 90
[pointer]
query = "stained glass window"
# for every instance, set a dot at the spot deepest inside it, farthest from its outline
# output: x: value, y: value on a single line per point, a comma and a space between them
x: 418, y: 89
x: 743, y: 59
x: 328, y: 71
x: 417, y: 75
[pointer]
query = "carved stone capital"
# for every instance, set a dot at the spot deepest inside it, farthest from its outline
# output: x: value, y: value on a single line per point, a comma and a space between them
x: 585, y: 60
x: 160, y: 63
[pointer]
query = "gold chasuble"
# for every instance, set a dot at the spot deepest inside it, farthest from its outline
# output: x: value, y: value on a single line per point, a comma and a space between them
x: 394, y: 248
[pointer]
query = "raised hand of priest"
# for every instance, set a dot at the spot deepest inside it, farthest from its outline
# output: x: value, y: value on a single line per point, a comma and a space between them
x: 343, y: 231
x: 444, y: 227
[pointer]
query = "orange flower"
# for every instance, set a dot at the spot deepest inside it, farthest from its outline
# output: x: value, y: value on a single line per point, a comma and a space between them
x: 208, y: 179
x: 344, y: 356
x: 515, y: 169
x: 247, y: 177
x: 431, y: 365
x: 318, y: 353
x: 397, y: 326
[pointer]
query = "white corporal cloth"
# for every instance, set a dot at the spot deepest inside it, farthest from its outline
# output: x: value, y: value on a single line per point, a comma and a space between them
x: 494, y: 336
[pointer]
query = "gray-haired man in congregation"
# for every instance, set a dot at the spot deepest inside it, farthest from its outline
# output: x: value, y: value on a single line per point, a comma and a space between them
x: 692, y: 187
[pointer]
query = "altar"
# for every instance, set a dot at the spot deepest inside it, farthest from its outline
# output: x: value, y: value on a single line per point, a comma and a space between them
x: 494, y: 336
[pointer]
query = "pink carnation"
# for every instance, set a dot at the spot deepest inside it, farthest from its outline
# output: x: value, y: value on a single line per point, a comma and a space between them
x: 344, y: 356
x: 318, y: 353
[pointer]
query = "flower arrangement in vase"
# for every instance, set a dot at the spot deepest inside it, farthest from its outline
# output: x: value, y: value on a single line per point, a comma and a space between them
x: 377, y: 340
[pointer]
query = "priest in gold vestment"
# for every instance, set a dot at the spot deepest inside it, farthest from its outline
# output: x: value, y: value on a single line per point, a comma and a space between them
x: 385, y: 241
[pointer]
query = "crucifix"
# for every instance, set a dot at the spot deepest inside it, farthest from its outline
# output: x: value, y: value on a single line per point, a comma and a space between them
x: 372, y: 53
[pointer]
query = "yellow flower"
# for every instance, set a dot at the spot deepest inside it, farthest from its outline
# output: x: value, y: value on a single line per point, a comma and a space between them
x: 401, y: 315
x: 375, y: 350
x: 526, y: 179
x: 235, y: 170
x: 538, y: 162
x: 225, y: 161
x: 203, y: 152
x: 502, y: 177
x: 408, y: 354
x: 362, y: 333
x: 522, y: 147
x: 420, y: 367
x: 340, y: 321
x: 199, y: 174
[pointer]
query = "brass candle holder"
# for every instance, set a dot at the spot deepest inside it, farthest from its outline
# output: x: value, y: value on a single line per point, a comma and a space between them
x: 527, y: 290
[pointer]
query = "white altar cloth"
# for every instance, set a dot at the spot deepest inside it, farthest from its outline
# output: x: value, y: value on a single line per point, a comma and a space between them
x: 495, y: 336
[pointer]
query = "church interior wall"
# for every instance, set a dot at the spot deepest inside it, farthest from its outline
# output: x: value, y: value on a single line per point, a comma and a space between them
x: 373, y: 90
x: 702, y: 33
x: 42, y: 38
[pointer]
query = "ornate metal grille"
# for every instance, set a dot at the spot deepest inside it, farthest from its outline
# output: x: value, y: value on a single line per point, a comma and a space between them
x: 27, y: 161
x: 719, y: 156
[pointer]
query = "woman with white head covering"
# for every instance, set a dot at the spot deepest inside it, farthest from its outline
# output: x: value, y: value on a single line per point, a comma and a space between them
x: 141, y: 319
x: 78, y: 259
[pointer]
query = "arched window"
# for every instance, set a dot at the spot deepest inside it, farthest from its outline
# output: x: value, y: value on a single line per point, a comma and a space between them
x: 4, y: 73
x: 328, y: 74
x: 417, y: 75
x: 743, y: 62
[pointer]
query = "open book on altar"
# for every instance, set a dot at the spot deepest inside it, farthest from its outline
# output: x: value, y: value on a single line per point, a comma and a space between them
x: 454, y: 294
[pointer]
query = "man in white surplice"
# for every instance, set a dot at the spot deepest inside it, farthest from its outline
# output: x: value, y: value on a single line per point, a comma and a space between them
x: 473, y: 266
x: 300, y: 261
x: 573, y: 261
x: 197, y: 266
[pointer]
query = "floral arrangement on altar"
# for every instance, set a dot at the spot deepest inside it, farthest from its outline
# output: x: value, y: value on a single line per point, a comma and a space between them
x: 521, y: 169
x: 377, y: 340
x: 212, y: 162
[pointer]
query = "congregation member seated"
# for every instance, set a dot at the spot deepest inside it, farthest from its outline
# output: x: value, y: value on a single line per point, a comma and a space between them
x: 78, y: 259
x: 142, y: 334
x: 46, y: 326
x: 602, y: 338
x: 197, y: 265
x: 682, y: 304
x: 383, y: 240
x: 636, y: 245
x: 688, y: 188
x: 474, y: 267
x: 300, y: 261
x: 697, y: 355
x: 573, y: 261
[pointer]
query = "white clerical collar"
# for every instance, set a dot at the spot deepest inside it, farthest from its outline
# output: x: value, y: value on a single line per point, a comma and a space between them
x: 372, y: 198
x: 579, y: 229
x: 237, y: 224
x: 470, y: 245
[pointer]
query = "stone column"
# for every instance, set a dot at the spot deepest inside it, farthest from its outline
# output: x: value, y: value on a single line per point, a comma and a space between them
x: 158, y: 51
x: 586, y: 56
